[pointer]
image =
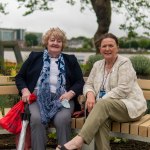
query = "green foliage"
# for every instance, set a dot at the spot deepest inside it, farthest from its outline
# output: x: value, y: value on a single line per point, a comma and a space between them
x: 19, y: 65
x: 31, y: 39
x: 144, y: 43
x: 86, y: 68
x: 8, y: 67
x: 141, y: 65
x: 52, y: 135
x: 87, y: 43
x: 132, y: 10
x: 118, y: 140
x: 135, y: 17
x: 148, y: 107
x: 134, y: 44
x: 7, y: 101
x: 137, y: 42
x: 2, y: 8
x: 132, y: 34
x: 33, y: 5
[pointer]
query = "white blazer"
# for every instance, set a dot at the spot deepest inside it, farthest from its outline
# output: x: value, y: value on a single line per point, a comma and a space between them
x: 122, y: 85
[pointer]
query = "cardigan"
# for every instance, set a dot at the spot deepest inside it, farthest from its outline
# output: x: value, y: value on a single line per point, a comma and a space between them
x: 122, y: 85
x: 30, y: 71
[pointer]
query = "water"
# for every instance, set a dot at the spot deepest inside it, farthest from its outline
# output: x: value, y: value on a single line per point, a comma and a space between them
x: 10, y: 56
x: 81, y: 56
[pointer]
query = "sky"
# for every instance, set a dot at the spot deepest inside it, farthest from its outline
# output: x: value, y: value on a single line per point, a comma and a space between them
x: 68, y: 18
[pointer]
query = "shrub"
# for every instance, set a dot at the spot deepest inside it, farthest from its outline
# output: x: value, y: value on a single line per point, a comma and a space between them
x: 9, y: 67
x: 89, y: 64
x: 84, y: 68
x: 141, y: 65
x: 7, y: 101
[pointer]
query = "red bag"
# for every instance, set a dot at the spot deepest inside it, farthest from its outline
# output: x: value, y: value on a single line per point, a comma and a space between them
x: 12, y: 121
x: 78, y: 114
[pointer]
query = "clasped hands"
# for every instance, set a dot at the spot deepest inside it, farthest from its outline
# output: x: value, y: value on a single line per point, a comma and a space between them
x: 26, y: 94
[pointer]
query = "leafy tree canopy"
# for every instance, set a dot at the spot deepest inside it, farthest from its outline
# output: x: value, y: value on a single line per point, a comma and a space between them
x: 136, y: 12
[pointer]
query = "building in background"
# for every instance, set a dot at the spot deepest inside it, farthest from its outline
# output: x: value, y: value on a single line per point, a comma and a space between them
x: 8, y: 34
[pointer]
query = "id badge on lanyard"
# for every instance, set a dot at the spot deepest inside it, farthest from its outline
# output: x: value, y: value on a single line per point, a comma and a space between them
x: 102, y: 93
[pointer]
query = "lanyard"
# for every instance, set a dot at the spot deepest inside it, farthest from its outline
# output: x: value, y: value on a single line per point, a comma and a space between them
x: 104, y: 79
x: 105, y: 75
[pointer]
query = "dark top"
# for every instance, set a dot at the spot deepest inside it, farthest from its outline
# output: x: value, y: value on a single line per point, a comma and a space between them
x: 31, y: 69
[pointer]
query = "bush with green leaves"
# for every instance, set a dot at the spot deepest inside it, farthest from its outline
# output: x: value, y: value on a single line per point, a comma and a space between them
x: 86, y: 68
x: 141, y: 65
x: 7, y: 101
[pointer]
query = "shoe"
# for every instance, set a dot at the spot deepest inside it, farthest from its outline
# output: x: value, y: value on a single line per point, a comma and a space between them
x: 61, y: 148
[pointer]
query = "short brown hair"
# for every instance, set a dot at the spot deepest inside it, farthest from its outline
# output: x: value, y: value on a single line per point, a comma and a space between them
x: 57, y: 33
x: 107, y: 35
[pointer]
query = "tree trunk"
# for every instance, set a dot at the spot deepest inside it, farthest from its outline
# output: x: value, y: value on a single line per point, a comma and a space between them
x: 102, y: 10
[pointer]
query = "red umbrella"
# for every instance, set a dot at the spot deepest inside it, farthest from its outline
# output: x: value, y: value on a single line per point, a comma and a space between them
x: 25, y: 121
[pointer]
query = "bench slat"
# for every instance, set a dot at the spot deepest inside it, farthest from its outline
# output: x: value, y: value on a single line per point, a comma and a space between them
x: 134, y: 126
x: 144, y: 84
x: 5, y: 79
x: 79, y: 122
x: 143, y: 128
x: 146, y: 94
x: 115, y: 126
x: 6, y: 110
x: 149, y: 131
x: 73, y: 123
x: 7, y: 83
x: 11, y: 89
x: 125, y: 127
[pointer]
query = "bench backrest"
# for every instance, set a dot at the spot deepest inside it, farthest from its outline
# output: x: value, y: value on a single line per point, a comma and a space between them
x: 6, y: 89
x: 145, y: 86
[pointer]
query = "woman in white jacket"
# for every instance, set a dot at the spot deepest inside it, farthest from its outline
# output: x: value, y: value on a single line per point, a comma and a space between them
x: 112, y: 94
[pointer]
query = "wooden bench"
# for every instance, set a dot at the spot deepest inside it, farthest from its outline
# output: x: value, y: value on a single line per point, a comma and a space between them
x: 139, y: 130
x: 8, y: 87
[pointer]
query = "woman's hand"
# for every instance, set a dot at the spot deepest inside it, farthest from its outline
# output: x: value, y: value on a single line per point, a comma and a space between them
x: 25, y: 95
x: 67, y: 95
x: 90, y: 101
